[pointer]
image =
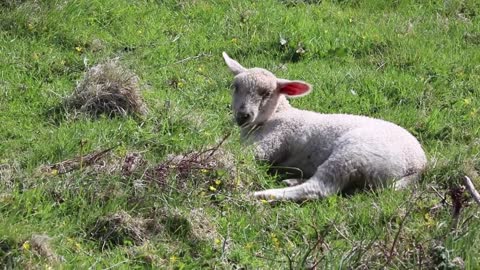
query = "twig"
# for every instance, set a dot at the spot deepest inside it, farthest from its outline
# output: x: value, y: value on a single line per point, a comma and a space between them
x: 116, y: 265
x: 214, y: 149
x: 341, y: 234
x: 224, y: 244
x: 456, y: 194
x: 471, y: 189
x: 320, y: 241
x: 269, y: 259
x: 402, y: 222
x: 79, y: 162
x: 192, y: 58
x: 444, y: 199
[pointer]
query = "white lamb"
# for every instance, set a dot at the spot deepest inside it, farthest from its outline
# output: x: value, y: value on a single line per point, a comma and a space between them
x: 334, y: 152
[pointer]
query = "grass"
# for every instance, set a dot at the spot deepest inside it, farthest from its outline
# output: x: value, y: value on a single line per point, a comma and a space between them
x: 416, y: 63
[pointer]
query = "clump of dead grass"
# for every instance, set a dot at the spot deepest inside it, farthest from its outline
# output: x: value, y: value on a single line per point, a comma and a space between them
x: 40, y: 245
x: 110, y: 89
x: 122, y: 229
x: 214, y: 160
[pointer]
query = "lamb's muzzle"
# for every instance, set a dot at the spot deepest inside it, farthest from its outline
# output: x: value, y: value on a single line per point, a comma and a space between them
x: 334, y: 152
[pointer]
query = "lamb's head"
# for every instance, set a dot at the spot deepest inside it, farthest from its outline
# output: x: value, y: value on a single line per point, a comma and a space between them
x: 257, y: 92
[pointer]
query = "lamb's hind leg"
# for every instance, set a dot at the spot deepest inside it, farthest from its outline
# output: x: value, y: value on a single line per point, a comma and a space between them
x: 325, y: 182
x: 330, y: 178
x: 406, y: 181
x: 307, y: 190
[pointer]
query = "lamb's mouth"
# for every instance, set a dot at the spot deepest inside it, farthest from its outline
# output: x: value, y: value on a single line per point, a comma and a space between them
x: 244, y: 119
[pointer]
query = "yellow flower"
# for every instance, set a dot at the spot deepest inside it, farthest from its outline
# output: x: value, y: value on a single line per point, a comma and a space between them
x: 467, y: 101
x: 217, y: 241
x: 218, y: 182
x: 26, y: 245
x: 275, y: 241
x: 54, y: 172
x: 179, y: 84
x: 212, y: 188
x: 263, y: 201
x: 30, y: 26
x: 79, y: 49
x: 173, y: 259
x: 204, y: 170
x: 430, y: 222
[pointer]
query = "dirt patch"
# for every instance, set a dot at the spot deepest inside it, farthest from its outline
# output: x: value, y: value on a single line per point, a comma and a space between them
x: 109, y: 89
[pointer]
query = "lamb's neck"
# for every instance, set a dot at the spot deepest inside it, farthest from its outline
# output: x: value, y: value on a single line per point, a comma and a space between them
x: 282, y: 104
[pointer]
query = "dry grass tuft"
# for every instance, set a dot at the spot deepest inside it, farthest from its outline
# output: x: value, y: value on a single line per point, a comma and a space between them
x: 109, y: 89
x: 214, y: 159
x: 76, y: 163
x: 7, y: 175
x: 121, y: 229
x: 202, y: 226
x: 40, y: 244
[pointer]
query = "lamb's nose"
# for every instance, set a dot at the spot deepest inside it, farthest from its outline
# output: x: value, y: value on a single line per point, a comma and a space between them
x: 242, y: 118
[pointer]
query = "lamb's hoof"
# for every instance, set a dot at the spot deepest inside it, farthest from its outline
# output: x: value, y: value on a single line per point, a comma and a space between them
x: 292, y: 182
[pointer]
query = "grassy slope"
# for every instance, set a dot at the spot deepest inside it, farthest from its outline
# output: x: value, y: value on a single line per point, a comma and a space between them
x: 411, y: 62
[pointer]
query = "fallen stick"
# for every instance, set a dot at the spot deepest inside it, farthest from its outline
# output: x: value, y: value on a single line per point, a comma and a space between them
x: 471, y: 189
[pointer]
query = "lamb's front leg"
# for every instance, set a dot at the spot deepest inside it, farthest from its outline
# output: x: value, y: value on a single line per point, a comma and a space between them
x: 310, y: 189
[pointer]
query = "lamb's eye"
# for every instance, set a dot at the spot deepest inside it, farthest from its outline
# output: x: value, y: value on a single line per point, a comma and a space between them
x: 235, y: 88
x: 264, y: 93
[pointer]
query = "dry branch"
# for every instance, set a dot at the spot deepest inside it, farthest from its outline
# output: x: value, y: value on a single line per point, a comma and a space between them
x: 77, y: 162
x: 471, y: 189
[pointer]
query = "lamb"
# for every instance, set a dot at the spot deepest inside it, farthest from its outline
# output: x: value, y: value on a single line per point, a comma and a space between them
x: 334, y: 152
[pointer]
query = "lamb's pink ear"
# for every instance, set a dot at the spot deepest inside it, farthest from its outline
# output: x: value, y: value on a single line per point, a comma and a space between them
x: 234, y: 66
x: 293, y: 88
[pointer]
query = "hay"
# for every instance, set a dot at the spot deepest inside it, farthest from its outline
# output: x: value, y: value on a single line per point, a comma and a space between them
x: 183, y: 166
x: 109, y: 89
x: 40, y: 244
x: 119, y: 229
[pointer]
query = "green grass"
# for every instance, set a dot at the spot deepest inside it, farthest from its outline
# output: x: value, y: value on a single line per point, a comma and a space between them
x: 416, y: 63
